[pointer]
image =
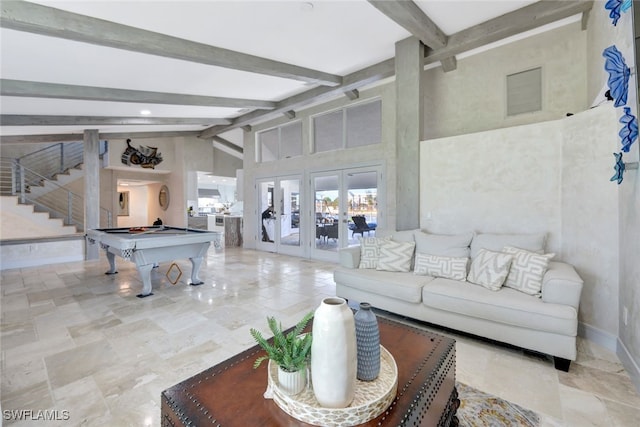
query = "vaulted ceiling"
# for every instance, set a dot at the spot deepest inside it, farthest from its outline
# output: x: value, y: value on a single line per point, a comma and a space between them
x: 152, y: 68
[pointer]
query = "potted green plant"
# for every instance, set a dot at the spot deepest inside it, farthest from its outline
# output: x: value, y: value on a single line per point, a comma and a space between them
x: 289, y: 351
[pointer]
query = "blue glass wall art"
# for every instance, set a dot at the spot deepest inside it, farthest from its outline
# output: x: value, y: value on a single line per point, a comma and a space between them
x: 629, y: 132
x: 619, y: 168
x: 616, y: 7
x: 618, y: 75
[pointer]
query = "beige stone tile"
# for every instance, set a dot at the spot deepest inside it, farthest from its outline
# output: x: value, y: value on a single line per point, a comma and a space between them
x: 528, y: 382
x: 603, y: 384
x: 17, y: 334
x: 14, y: 302
x: 581, y: 408
x: 37, y: 350
x: 33, y: 397
x: 621, y: 415
x: 22, y: 376
x: 83, y: 399
x: 72, y: 365
x: 139, y: 406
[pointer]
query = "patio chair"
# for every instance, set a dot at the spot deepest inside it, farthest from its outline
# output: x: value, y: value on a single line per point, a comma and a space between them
x: 331, y: 231
x: 361, y: 225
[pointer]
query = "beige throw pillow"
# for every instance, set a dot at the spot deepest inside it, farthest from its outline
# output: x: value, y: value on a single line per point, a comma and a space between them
x: 527, y: 270
x: 443, y: 244
x: 490, y: 269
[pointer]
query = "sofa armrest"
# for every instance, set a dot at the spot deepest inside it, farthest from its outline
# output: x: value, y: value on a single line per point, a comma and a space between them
x: 561, y: 284
x: 350, y: 257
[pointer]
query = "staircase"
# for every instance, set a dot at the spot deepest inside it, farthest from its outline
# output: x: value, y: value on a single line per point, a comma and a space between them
x: 40, y: 179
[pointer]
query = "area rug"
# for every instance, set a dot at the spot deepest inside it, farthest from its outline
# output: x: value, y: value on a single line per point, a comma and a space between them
x: 480, y: 409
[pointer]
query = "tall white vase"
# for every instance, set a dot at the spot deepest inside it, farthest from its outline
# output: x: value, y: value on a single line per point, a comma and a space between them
x: 334, y: 354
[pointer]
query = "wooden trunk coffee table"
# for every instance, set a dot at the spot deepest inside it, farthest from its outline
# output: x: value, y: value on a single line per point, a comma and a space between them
x: 231, y: 393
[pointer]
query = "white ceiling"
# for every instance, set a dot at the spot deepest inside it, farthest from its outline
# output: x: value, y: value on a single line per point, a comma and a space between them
x: 337, y: 37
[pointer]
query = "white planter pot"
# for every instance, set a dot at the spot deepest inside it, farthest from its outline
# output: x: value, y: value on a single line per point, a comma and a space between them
x: 292, y: 383
x: 334, y: 354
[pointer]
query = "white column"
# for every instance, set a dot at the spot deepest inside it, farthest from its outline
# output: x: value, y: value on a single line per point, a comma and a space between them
x: 91, y: 187
x: 409, y: 124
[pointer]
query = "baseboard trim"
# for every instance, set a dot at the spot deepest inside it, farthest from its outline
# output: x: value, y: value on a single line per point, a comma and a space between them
x: 598, y: 336
x: 24, y: 263
x: 630, y: 365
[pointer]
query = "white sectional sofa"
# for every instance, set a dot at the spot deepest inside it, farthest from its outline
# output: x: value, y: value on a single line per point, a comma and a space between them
x: 545, y: 322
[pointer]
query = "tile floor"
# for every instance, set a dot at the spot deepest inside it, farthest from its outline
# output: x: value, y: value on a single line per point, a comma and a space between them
x: 77, y: 340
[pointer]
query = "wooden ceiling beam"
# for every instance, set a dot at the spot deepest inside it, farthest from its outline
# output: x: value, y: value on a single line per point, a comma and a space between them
x: 351, y: 81
x: 74, y: 137
x: 48, y: 21
x: 42, y: 120
x: 228, y: 144
x: 409, y: 16
x: 507, y: 25
x: 31, y: 89
x: 449, y: 64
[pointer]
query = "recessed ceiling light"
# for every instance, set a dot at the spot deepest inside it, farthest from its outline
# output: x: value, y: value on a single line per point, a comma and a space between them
x: 145, y: 112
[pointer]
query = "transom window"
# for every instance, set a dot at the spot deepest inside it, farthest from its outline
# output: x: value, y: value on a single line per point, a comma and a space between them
x: 281, y: 142
x: 353, y: 126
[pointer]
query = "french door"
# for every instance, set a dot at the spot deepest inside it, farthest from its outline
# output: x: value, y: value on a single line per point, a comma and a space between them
x: 338, y: 196
x: 279, y: 222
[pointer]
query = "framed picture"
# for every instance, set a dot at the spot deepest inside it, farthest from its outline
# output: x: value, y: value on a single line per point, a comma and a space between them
x: 123, y: 203
x: 163, y: 197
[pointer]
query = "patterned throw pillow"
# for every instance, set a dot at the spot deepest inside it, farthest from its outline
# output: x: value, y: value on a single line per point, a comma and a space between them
x: 490, y: 269
x: 441, y: 266
x: 527, y: 270
x: 395, y: 256
x: 369, y: 252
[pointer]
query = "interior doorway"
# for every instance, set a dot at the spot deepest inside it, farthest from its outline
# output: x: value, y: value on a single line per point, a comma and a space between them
x: 280, y: 223
x: 346, y: 207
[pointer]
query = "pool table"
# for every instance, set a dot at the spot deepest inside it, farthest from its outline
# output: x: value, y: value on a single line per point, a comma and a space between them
x: 146, y: 246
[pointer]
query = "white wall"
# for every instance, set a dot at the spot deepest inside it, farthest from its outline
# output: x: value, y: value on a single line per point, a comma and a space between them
x: 549, y: 177
x: 138, y: 206
x: 472, y: 98
x: 602, y: 34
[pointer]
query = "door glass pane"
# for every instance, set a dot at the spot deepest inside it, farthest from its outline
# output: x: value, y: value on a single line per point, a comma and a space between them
x: 362, y: 202
x: 290, y: 212
x: 326, y: 212
x: 267, y: 231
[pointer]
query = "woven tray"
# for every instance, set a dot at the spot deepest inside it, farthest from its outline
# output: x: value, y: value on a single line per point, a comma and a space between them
x: 371, y: 399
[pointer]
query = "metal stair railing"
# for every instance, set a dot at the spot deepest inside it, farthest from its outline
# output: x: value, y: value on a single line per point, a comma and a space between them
x: 54, y: 159
x: 60, y: 202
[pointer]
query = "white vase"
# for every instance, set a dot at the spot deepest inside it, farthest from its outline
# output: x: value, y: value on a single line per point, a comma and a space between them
x: 292, y: 383
x: 334, y: 354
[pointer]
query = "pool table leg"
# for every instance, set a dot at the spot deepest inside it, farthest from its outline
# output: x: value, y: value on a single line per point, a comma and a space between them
x: 145, y: 275
x: 112, y: 262
x: 195, y: 268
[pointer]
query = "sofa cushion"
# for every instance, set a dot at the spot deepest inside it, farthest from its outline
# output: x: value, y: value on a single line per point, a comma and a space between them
x: 506, y: 306
x: 490, y: 269
x: 527, y: 270
x: 441, y: 266
x: 442, y: 244
x: 395, y: 256
x: 402, y: 286
x: 398, y: 236
x: 495, y: 242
